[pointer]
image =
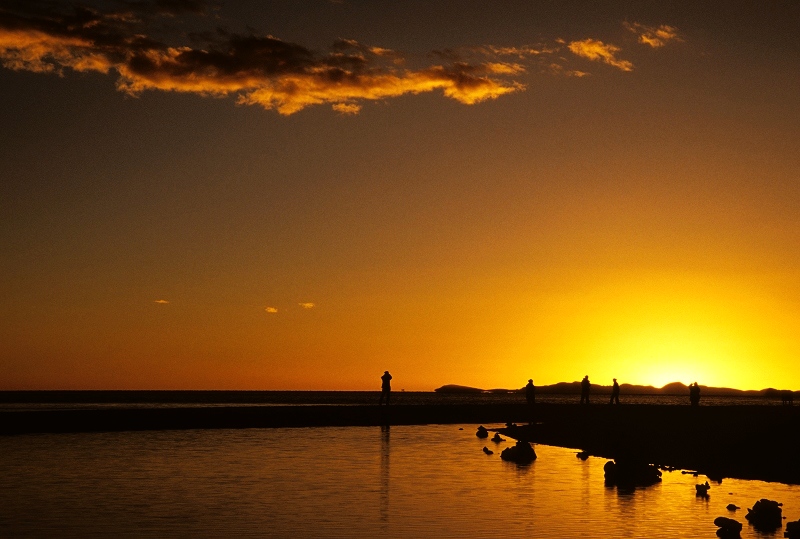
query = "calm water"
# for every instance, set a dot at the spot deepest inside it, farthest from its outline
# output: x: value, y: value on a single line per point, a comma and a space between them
x: 408, y: 481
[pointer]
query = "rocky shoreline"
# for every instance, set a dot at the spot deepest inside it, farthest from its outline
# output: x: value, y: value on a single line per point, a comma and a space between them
x: 745, y: 442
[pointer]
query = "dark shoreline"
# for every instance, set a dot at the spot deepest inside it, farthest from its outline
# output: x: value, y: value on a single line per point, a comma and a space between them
x: 747, y: 442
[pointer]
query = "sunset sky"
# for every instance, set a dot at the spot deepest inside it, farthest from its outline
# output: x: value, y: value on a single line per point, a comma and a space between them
x: 301, y: 194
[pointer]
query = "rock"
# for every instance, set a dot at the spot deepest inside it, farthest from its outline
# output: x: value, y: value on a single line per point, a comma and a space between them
x: 488, y: 451
x: 765, y: 515
x: 702, y: 490
x: 732, y: 507
x: 792, y: 530
x: 521, y: 453
x: 583, y: 455
x: 728, y: 528
x: 629, y: 473
x: 497, y: 439
x: 482, y: 432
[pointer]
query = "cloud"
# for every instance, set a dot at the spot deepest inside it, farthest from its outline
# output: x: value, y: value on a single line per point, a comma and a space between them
x: 347, y: 108
x: 271, y: 309
x: 265, y: 71
x: 654, y: 36
x: 161, y: 301
x: 596, y: 50
x: 255, y: 70
x: 558, y: 69
x: 307, y: 305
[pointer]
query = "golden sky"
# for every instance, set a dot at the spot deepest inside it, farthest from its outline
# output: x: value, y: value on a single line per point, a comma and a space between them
x: 301, y: 195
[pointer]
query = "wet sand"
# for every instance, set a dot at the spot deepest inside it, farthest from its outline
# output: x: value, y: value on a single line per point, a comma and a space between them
x: 747, y: 442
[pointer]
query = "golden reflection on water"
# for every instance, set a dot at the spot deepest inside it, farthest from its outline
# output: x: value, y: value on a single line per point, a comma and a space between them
x: 398, y: 482
x: 384, y: 514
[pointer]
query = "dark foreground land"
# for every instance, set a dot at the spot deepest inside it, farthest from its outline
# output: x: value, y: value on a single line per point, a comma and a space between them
x: 747, y: 442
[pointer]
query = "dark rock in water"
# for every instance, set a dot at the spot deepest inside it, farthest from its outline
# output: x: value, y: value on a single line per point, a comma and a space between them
x: 630, y: 473
x: 765, y: 515
x: 497, y: 439
x: 731, y: 507
x: 702, y: 490
x: 792, y: 530
x: 488, y: 451
x: 482, y: 432
x: 583, y: 455
x: 521, y: 453
x: 728, y: 528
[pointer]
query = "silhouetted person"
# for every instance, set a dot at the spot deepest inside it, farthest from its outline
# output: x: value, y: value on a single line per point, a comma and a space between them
x: 694, y: 394
x: 585, y: 387
x: 530, y: 393
x: 614, y: 393
x: 386, y: 387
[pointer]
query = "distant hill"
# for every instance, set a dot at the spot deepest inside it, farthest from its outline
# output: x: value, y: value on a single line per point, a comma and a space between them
x: 574, y: 388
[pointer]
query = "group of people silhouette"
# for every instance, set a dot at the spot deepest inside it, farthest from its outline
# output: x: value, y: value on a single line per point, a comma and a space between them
x: 586, y: 387
x: 530, y: 391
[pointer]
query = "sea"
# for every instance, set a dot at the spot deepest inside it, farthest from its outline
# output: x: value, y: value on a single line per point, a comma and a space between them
x: 397, y: 482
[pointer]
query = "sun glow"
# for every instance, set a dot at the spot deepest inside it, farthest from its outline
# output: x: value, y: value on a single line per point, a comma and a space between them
x: 654, y: 331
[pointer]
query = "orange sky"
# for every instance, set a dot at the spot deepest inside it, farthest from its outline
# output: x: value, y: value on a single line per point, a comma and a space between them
x: 205, y: 197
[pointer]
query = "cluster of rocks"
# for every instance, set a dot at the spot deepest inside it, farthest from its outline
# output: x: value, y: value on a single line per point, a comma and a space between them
x: 521, y: 453
x: 765, y: 515
x: 630, y: 474
x: 702, y: 490
x: 728, y: 528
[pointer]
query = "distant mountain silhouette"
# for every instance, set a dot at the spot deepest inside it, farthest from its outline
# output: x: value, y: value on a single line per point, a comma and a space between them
x: 574, y: 388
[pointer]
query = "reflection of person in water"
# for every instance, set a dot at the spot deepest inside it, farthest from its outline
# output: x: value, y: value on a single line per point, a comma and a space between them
x: 585, y: 387
x: 530, y: 393
x: 694, y: 394
x: 614, y: 393
x: 386, y: 387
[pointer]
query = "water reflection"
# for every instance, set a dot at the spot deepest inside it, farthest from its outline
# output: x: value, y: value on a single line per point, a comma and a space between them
x: 415, y: 481
x: 384, y: 492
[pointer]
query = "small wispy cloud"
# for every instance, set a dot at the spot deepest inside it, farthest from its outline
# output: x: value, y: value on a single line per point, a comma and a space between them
x: 346, y: 109
x: 307, y: 305
x: 271, y: 309
x: 596, y: 50
x: 161, y: 301
x: 654, y: 36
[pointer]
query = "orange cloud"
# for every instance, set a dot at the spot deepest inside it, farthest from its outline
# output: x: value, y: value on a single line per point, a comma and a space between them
x: 256, y: 70
x: 161, y: 301
x: 653, y: 36
x: 271, y: 309
x: 596, y: 50
x: 307, y: 305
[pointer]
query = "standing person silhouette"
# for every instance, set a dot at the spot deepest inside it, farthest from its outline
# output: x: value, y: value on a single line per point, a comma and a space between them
x: 585, y: 387
x: 530, y: 393
x: 614, y: 393
x: 694, y: 394
x: 386, y: 387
